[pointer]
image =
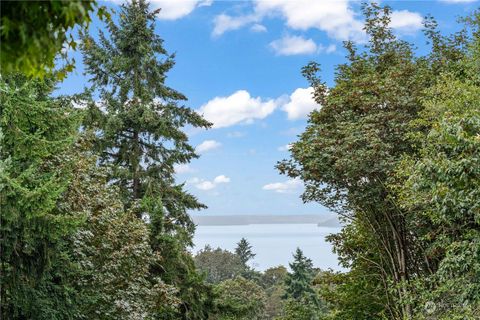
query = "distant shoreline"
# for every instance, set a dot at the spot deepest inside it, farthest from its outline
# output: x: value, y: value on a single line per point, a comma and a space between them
x: 232, y: 220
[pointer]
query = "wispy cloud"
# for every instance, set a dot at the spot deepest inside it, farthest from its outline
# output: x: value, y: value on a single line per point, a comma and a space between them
x: 176, y: 9
x: 208, y: 145
x: 207, y: 185
x: 183, y: 168
x: 293, y: 45
x: 288, y: 186
x: 258, y: 28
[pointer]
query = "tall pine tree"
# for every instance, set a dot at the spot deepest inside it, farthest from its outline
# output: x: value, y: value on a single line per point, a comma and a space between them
x: 139, y: 127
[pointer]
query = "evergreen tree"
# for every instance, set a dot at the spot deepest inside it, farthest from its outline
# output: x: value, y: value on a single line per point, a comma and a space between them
x: 302, y: 301
x: 299, y: 281
x: 111, y: 249
x: 37, y: 137
x: 139, y: 123
x: 244, y: 251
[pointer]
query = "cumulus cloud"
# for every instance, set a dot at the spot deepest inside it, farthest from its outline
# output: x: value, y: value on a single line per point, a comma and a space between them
x: 237, y: 108
x: 208, y: 145
x: 293, y: 45
x: 336, y: 18
x: 406, y: 21
x: 301, y: 103
x: 182, y: 168
x: 221, y: 179
x: 288, y: 186
x: 241, y: 108
x: 176, y: 9
x: 206, y: 185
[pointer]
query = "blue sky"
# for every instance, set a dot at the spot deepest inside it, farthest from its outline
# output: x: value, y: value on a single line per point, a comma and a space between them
x: 239, y: 62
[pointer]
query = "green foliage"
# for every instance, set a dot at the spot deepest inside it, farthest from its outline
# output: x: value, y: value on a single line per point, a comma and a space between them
x: 303, y: 302
x: 273, y: 281
x: 299, y: 281
x: 299, y: 309
x: 94, y: 226
x: 274, y: 303
x: 351, y: 295
x: 244, y: 251
x: 218, y: 264
x: 112, y: 251
x: 274, y: 276
x: 239, y: 299
x: 37, y: 137
x: 69, y: 249
x: 441, y: 189
x: 138, y: 121
x: 352, y: 145
x: 34, y: 32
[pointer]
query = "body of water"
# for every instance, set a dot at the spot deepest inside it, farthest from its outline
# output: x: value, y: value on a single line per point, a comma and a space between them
x: 273, y: 243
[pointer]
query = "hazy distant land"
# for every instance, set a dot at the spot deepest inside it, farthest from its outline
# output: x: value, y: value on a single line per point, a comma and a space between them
x: 228, y: 220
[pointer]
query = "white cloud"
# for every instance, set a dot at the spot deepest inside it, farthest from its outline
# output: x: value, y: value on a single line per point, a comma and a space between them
x: 258, y: 28
x: 284, y: 148
x: 221, y: 179
x: 206, y: 185
x: 182, y: 168
x: 406, y: 21
x: 237, y: 108
x: 208, y: 145
x: 223, y: 23
x: 336, y: 18
x: 288, y: 186
x: 301, y: 104
x: 293, y: 45
x: 176, y: 9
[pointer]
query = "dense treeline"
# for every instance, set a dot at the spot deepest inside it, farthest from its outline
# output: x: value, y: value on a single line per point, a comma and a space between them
x: 94, y: 226
x: 241, y: 292
x: 395, y: 151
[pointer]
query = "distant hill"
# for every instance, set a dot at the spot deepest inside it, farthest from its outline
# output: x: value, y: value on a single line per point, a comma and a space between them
x: 210, y: 220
